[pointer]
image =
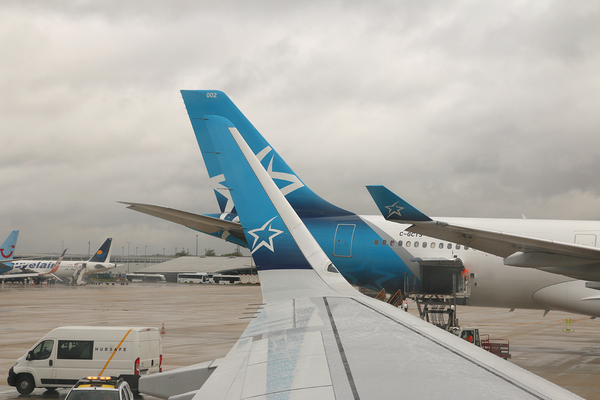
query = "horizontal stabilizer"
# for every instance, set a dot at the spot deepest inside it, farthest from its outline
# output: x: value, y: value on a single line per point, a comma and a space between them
x: 201, y: 223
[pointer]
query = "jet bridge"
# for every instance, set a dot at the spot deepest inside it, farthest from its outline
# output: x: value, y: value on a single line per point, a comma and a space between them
x: 443, y: 285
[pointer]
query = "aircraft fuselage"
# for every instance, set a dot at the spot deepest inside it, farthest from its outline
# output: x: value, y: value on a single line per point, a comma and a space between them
x: 370, y: 251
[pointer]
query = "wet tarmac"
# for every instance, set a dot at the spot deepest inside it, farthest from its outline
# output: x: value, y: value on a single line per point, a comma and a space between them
x: 202, y: 322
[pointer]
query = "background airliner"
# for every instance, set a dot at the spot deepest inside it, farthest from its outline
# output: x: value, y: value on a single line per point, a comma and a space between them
x: 376, y: 253
x: 67, y: 271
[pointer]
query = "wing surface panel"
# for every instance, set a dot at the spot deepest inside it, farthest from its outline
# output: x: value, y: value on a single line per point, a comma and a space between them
x: 422, y: 365
x: 354, y: 348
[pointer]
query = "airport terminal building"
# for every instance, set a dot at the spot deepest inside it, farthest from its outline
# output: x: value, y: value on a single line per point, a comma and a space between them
x: 170, y: 269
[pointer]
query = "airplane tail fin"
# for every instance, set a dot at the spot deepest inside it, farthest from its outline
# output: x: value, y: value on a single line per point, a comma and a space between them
x: 55, y: 268
x: 201, y: 104
x: 277, y: 237
x: 393, y: 208
x: 102, y: 255
x: 7, y: 250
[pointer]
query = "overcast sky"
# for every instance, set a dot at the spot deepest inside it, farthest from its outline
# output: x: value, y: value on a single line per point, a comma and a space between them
x: 464, y: 108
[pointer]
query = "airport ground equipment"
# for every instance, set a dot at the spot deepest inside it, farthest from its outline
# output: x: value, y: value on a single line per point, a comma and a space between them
x: 443, y: 284
x: 68, y: 353
x: 100, y: 387
x: 499, y: 347
x: 203, y: 277
x: 79, y: 274
x: 134, y: 277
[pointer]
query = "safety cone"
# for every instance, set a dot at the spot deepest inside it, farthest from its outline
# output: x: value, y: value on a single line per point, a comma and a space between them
x: 162, y: 330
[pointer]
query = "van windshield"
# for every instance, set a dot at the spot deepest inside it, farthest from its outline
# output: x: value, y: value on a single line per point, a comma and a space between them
x: 93, y: 395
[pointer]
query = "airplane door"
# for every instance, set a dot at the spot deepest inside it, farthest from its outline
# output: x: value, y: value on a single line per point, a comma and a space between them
x: 41, y: 359
x: 585, y: 239
x: 344, y: 234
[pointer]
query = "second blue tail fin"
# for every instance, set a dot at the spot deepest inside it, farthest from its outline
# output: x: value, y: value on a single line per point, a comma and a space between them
x: 102, y: 255
x: 393, y: 208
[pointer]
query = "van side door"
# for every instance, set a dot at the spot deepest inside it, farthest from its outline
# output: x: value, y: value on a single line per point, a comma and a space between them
x: 74, y: 361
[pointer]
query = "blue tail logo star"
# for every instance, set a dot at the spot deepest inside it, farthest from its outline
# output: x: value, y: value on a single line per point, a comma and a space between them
x: 263, y: 236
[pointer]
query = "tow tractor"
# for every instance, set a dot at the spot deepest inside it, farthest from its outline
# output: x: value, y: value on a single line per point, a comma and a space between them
x: 499, y: 347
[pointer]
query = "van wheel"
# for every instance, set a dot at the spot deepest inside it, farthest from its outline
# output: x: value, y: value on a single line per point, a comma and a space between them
x: 25, y: 384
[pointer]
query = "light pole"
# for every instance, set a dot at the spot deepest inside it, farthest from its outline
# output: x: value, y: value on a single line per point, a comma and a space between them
x: 196, y: 245
x: 128, y: 253
x: 89, y: 249
x: 145, y: 247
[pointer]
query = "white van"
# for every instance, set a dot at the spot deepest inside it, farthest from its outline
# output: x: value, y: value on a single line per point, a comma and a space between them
x: 69, y: 353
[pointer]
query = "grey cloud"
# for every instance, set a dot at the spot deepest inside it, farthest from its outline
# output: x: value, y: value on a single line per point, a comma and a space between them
x: 463, y: 108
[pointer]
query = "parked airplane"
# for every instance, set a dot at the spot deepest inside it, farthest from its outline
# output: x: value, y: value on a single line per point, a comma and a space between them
x: 372, y: 252
x: 7, y: 252
x: 316, y: 337
x: 69, y: 270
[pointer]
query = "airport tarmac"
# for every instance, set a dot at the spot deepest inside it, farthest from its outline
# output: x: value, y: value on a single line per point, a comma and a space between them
x: 202, y: 322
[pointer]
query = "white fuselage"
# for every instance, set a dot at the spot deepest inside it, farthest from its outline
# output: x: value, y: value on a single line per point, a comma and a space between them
x: 493, y: 284
x: 65, y: 270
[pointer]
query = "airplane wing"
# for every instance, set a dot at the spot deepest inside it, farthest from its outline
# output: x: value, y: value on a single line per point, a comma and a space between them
x: 316, y: 337
x: 202, y: 223
x: 569, y: 259
x: 19, y: 276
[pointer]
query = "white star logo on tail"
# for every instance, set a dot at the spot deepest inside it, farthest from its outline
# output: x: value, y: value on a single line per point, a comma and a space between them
x: 264, y: 235
x: 291, y: 178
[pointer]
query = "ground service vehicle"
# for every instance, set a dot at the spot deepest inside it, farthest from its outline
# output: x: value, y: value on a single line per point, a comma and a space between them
x: 100, y: 388
x: 203, y: 277
x: 499, y: 347
x: 68, y: 353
